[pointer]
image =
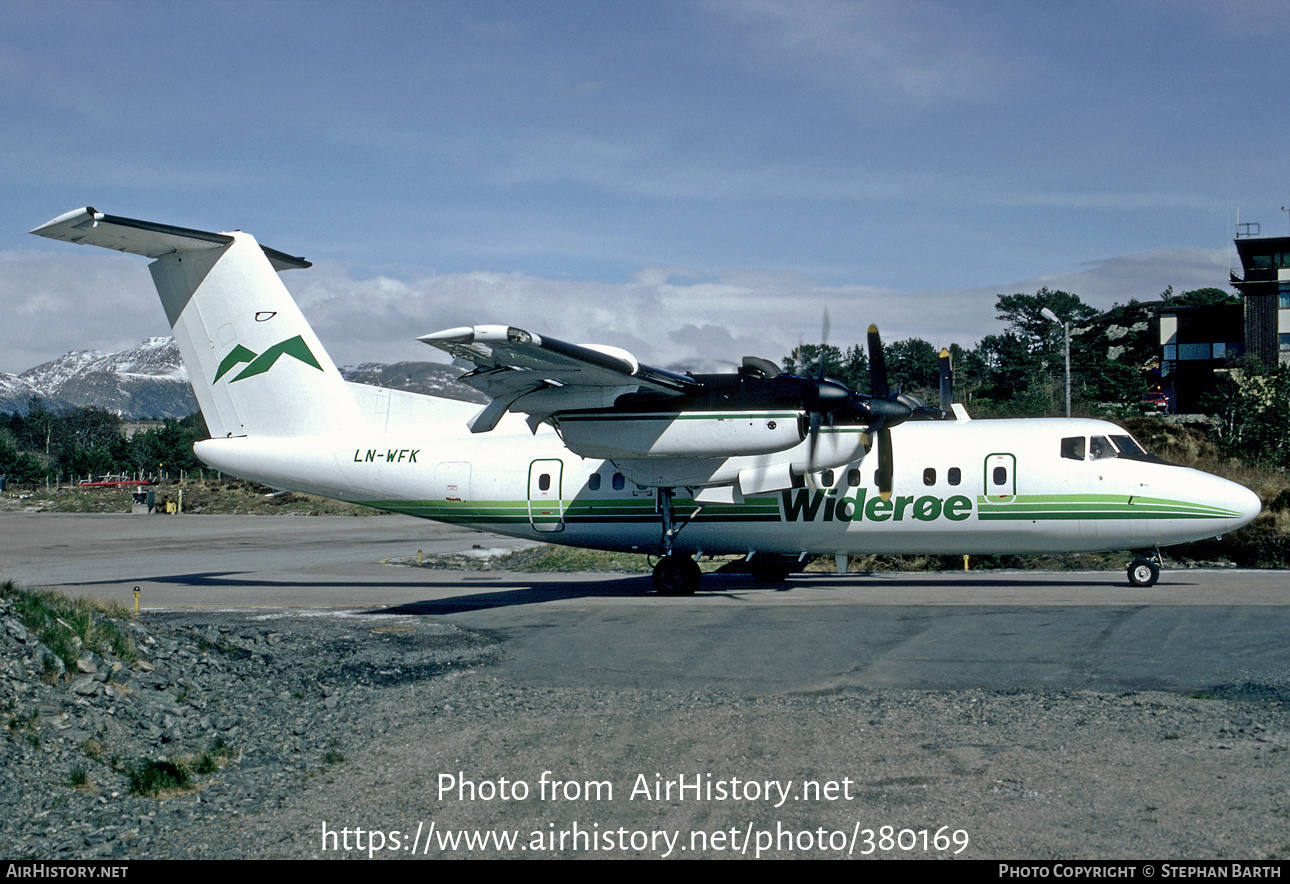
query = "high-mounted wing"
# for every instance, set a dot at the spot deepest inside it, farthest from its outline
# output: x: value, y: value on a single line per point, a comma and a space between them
x: 542, y: 376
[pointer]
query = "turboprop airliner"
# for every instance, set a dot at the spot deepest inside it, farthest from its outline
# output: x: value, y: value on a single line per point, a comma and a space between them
x: 585, y: 446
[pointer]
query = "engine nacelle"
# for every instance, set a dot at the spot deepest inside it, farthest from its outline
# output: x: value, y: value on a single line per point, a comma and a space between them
x: 687, y: 434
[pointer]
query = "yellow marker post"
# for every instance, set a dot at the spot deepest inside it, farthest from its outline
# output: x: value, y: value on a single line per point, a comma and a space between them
x: 965, y: 565
x: 136, y: 601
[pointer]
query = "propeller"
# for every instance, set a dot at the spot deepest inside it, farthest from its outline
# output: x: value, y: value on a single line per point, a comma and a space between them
x: 825, y: 400
x: 885, y: 408
x: 821, y: 399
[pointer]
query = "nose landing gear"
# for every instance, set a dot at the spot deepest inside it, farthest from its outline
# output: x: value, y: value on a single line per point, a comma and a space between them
x: 1144, y: 570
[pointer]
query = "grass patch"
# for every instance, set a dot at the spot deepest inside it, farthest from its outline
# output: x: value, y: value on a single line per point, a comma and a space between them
x: 70, y: 627
x: 554, y: 559
x: 220, y: 754
x: 149, y: 777
x: 24, y: 722
x: 223, y: 496
x: 566, y: 558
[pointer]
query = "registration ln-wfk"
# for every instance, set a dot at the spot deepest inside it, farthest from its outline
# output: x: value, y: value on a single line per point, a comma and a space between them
x: 585, y: 446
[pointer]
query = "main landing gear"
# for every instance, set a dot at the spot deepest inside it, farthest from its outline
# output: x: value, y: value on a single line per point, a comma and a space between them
x: 1145, y: 570
x: 675, y: 573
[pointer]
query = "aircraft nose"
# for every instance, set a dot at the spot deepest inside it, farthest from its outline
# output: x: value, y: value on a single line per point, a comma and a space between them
x: 1245, y: 502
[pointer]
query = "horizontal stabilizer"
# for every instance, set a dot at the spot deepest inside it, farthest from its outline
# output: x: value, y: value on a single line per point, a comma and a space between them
x: 93, y: 228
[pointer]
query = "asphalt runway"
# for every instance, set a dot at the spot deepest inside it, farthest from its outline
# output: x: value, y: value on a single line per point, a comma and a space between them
x: 1193, y: 631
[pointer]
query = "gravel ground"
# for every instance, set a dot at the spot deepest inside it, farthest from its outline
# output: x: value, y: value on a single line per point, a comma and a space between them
x: 349, y: 724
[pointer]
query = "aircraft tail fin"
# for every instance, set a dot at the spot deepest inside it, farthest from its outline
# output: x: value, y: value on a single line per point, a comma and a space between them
x: 255, y: 364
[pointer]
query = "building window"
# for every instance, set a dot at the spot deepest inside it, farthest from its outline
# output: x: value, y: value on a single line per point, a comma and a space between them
x: 1274, y: 259
x: 1285, y: 343
x: 1283, y: 296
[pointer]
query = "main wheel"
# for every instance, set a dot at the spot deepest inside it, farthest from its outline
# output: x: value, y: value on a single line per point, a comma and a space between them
x: 1143, y: 572
x: 677, y: 575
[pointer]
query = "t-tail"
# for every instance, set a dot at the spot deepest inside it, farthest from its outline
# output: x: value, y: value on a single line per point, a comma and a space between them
x: 255, y: 364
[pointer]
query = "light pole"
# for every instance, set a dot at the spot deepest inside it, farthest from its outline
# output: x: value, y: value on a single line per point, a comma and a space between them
x: 1066, y: 334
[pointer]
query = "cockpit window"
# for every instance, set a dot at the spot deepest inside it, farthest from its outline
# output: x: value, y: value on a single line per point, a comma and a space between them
x: 1128, y: 447
x: 1131, y: 450
x: 1100, y: 447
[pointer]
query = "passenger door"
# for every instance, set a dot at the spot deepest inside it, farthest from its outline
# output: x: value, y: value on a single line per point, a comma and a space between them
x: 546, y: 508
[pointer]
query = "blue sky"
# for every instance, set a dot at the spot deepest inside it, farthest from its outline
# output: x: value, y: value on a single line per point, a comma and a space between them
x: 690, y: 180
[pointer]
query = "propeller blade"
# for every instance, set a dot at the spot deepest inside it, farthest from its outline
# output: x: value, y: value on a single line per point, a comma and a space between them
x: 885, y: 466
x: 877, y: 366
x: 947, y: 383
x: 816, y: 420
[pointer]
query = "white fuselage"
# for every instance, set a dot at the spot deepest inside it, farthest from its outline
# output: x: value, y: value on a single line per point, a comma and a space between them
x: 959, y: 487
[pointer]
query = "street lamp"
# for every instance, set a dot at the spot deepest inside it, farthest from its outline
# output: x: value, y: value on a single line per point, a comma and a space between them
x: 1066, y: 333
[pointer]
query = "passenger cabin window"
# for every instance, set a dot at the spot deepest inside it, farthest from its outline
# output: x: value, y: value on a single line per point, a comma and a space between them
x: 853, y: 478
x: 618, y: 482
x: 827, y: 479
x: 594, y: 482
x: 1073, y: 447
x: 929, y: 476
x: 954, y: 476
x: 1000, y: 476
x: 544, y: 482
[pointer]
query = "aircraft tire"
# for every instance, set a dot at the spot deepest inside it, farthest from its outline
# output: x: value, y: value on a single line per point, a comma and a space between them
x: 677, y: 575
x: 1143, y: 572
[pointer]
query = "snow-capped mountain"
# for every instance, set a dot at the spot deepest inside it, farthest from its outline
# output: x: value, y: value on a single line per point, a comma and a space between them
x: 150, y: 381
x: 145, y: 381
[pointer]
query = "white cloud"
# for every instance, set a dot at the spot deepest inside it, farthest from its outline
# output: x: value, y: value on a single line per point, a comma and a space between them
x: 667, y: 317
x: 55, y: 303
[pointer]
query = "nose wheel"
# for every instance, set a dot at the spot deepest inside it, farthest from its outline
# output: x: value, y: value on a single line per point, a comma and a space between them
x: 1144, y: 571
x: 676, y: 575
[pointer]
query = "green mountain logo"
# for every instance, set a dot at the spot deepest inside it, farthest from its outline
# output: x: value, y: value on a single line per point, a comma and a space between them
x: 262, y: 362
